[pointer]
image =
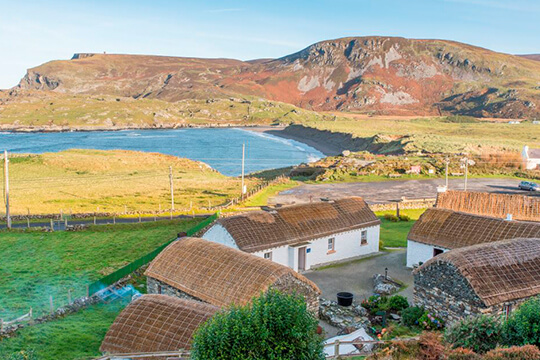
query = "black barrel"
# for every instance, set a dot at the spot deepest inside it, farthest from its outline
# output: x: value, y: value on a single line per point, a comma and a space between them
x: 344, y: 298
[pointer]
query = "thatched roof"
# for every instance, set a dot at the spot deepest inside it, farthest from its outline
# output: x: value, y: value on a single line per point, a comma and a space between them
x: 155, y: 323
x: 449, y: 229
x: 256, y: 231
x: 498, y: 272
x: 218, y: 274
x: 521, y: 207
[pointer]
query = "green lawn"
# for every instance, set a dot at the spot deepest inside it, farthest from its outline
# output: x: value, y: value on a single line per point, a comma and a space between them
x: 261, y: 198
x: 77, y: 336
x: 36, y: 265
x: 394, y: 234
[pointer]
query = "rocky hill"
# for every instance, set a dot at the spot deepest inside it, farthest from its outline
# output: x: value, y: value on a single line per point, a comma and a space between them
x: 380, y: 75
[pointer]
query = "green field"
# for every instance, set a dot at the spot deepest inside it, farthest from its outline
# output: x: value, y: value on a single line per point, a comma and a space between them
x: 36, y: 265
x: 77, y: 336
x: 394, y: 234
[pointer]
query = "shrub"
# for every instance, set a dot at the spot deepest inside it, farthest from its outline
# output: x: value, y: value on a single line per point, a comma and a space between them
x: 462, y: 354
x: 523, y: 325
x: 397, y: 303
x: 430, y: 346
x: 527, y: 352
x: 404, y: 218
x: 480, y: 333
x: 391, y: 217
x: 411, y: 315
x: 273, y: 326
x: 430, y: 322
x: 375, y: 303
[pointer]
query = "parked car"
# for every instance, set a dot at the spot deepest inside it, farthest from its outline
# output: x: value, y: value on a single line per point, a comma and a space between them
x: 527, y: 185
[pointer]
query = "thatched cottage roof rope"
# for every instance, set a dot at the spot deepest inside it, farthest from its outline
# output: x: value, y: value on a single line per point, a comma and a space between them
x: 521, y: 207
x: 450, y: 230
x: 261, y: 230
x: 155, y: 323
x: 497, y: 272
x: 216, y: 273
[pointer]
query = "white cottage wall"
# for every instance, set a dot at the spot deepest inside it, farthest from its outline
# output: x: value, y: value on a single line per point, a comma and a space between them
x: 219, y: 234
x: 418, y: 252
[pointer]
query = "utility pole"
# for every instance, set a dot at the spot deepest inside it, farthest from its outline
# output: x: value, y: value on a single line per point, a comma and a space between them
x: 243, y: 161
x: 172, y: 187
x: 6, y: 188
x: 466, y: 171
x: 447, y: 162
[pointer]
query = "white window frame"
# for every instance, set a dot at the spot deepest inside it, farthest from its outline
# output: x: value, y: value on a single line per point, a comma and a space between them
x: 332, y: 244
x: 267, y: 255
x: 363, y: 237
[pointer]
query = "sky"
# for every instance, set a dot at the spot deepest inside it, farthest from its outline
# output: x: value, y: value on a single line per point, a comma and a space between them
x: 34, y: 32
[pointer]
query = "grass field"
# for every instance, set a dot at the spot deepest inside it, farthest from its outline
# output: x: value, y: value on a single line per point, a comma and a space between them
x: 261, y: 198
x: 77, y: 336
x: 36, y: 265
x: 112, y: 181
x: 394, y: 234
x: 436, y: 135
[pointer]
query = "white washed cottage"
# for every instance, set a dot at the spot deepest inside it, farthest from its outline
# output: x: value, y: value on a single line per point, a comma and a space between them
x: 440, y: 230
x: 303, y: 236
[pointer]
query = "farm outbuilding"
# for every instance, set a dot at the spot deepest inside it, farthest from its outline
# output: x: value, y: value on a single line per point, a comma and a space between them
x: 520, y: 207
x: 201, y: 270
x: 303, y: 236
x: 491, y: 278
x: 531, y: 158
x: 439, y: 230
x: 154, y: 323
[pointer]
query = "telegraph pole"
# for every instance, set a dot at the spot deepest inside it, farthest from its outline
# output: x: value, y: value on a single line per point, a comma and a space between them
x: 172, y: 188
x: 447, y: 162
x: 6, y: 188
x: 466, y: 171
x: 243, y: 161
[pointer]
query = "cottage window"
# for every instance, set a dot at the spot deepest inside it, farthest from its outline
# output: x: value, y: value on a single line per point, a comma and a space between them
x: 437, y: 252
x: 331, y: 244
x: 268, y: 255
x: 363, y: 237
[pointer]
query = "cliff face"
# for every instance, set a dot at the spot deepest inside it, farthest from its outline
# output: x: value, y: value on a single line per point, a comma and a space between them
x: 367, y: 74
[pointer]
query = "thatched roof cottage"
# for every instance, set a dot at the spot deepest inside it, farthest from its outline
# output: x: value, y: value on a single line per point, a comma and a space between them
x: 440, y: 230
x: 303, y: 236
x: 198, y: 269
x: 490, y: 278
x: 154, y: 323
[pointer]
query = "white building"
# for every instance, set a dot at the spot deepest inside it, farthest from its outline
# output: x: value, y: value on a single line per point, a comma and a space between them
x: 531, y: 158
x: 303, y: 236
x: 440, y: 230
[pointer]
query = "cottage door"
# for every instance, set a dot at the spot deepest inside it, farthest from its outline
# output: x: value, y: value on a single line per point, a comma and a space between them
x: 302, y: 258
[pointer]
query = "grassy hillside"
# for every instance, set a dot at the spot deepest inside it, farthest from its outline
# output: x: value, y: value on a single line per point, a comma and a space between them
x: 94, y: 180
x: 36, y: 265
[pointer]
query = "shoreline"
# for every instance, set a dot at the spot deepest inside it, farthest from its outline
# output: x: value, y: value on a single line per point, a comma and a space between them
x: 325, y: 148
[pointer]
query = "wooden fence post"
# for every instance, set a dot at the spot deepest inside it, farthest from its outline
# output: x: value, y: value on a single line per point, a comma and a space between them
x: 336, y: 349
x: 51, y: 303
x: 1, y: 324
x: 52, y: 225
x: 69, y: 296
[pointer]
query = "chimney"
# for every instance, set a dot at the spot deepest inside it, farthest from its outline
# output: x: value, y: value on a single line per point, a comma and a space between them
x: 509, y: 217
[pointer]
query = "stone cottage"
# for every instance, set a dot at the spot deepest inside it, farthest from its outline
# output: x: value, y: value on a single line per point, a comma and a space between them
x: 520, y: 207
x: 303, y: 236
x: 154, y: 323
x: 439, y: 230
x: 198, y: 269
x: 491, y: 278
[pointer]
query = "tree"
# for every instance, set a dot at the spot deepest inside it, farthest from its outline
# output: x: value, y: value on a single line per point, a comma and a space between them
x: 274, y: 326
x: 523, y: 325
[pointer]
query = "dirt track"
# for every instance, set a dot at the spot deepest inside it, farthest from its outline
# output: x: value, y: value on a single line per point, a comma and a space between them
x: 385, y: 191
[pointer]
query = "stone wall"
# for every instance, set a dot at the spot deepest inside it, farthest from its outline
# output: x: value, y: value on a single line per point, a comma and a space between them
x: 153, y: 287
x: 405, y: 204
x: 442, y: 290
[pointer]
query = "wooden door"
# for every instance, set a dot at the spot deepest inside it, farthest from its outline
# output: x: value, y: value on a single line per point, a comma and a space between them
x: 302, y: 258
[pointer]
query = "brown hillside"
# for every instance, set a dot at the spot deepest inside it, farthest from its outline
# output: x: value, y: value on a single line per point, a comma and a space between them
x: 381, y: 75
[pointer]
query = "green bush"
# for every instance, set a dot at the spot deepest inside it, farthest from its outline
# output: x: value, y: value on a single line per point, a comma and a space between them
x: 430, y: 322
x: 411, y: 315
x: 480, y: 333
x: 274, y: 326
x: 397, y: 303
x: 391, y: 217
x: 523, y: 325
x: 527, y: 352
x: 404, y: 218
x: 375, y: 304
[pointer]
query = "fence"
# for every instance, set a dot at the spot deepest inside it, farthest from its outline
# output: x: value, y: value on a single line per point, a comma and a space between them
x: 359, y: 344
x: 163, y: 354
x: 25, y: 317
x: 131, y: 267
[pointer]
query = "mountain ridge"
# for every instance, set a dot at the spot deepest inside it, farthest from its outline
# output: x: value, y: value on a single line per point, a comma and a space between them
x: 375, y: 75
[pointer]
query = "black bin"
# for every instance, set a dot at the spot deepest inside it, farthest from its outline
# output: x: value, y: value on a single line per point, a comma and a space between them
x: 345, y: 298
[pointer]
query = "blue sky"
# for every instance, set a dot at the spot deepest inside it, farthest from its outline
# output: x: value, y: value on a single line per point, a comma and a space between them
x: 33, y: 32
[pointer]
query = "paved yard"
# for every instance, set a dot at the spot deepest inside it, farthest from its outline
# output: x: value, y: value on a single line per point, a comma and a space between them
x: 384, y: 191
x: 356, y: 276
